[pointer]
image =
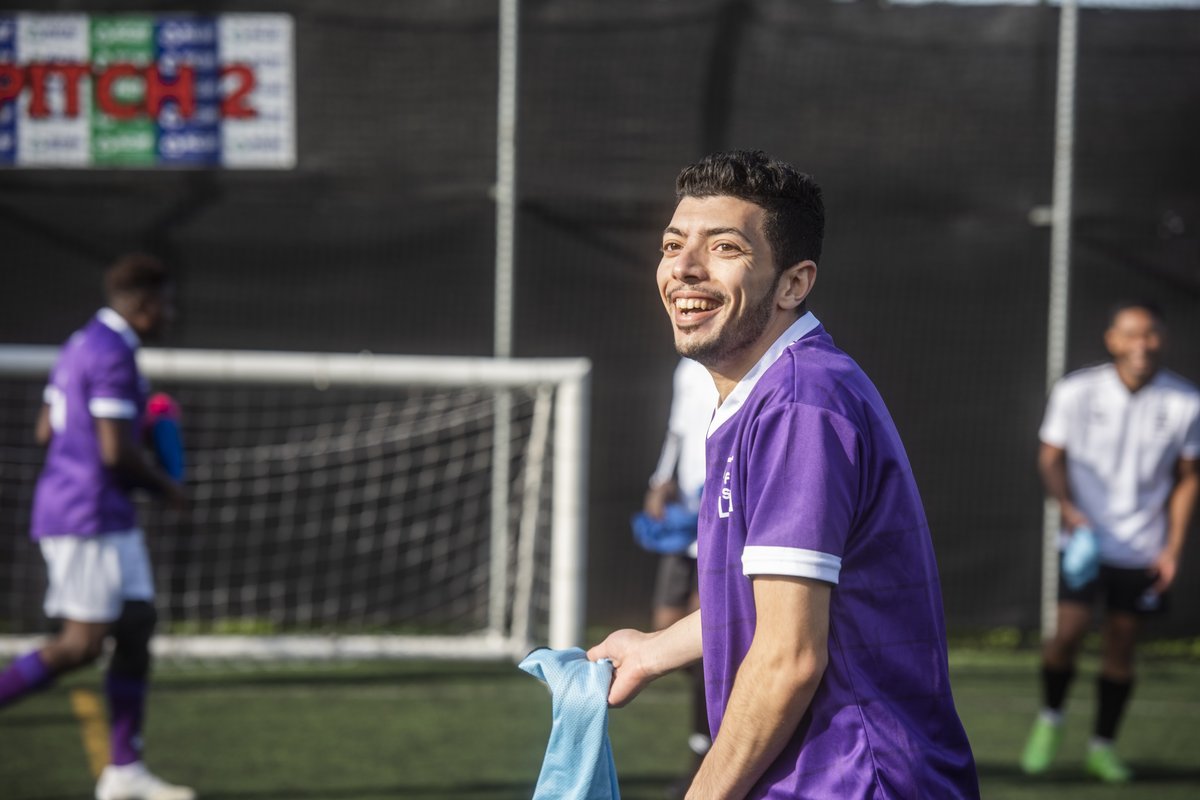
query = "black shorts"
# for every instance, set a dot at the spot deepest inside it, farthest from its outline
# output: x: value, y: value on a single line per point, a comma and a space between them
x: 1122, y: 589
x: 676, y: 581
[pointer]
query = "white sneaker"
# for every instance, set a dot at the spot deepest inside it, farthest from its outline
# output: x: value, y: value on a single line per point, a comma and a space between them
x: 135, y: 782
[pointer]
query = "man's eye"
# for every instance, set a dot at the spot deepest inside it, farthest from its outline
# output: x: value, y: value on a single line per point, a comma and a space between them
x: 669, y: 247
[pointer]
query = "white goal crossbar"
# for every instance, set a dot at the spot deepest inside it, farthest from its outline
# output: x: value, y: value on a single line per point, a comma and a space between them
x: 561, y: 385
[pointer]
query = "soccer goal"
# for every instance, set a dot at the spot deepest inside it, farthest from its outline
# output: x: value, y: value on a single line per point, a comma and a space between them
x: 342, y: 505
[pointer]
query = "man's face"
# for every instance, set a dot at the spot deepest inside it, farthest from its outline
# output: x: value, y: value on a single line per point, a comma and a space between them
x: 1136, y: 341
x: 156, y: 315
x: 717, y: 279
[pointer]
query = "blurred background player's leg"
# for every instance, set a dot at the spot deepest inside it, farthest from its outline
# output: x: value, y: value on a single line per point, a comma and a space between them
x: 1058, y: 670
x: 1133, y: 594
x: 77, y: 644
x: 125, y: 683
x: 1114, y: 687
x: 125, y: 687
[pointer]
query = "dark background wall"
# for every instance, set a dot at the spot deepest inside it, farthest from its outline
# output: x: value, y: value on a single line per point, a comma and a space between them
x: 930, y: 128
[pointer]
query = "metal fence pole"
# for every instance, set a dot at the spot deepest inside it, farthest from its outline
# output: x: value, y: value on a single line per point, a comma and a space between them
x: 1060, y: 275
x: 506, y: 238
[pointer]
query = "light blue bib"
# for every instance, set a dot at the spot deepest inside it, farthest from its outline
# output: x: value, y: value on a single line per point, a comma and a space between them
x: 579, y: 762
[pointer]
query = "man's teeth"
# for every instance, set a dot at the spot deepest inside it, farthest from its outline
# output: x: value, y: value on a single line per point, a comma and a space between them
x: 695, y: 304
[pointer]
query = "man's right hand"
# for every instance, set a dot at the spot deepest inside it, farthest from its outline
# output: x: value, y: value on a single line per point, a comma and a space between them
x: 175, y: 496
x: 1072, y: 517
x: 639, y: 658
x: 626, y: 649
x: 655, y: 504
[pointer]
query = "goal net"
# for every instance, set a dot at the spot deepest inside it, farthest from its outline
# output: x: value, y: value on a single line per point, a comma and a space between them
x: 342, y: 505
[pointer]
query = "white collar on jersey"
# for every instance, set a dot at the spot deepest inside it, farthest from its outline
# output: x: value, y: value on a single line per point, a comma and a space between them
x: 1124, y: 392
x: 737, y: 397
x: 118, y: 323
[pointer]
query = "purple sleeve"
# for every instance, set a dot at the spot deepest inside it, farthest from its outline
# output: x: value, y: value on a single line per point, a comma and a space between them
x: 802, y: 480
x: 113, y: 386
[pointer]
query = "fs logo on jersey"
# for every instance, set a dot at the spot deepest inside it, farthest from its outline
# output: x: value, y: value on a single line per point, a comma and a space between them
x: 725, y: 499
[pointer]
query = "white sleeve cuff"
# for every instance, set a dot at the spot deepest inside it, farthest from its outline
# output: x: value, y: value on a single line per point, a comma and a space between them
x: 112, y: 408
x: 1053, y: 437
x: 794, y: 562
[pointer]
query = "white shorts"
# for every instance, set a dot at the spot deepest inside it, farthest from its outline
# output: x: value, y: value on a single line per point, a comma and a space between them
x: 91, y: 577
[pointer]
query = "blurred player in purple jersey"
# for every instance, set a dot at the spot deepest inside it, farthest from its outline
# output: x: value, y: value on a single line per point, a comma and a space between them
x: 84, y: 518
x: 820, y: 623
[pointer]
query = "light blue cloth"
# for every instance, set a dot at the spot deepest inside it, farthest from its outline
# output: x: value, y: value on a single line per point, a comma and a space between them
x: 1081, y: 558
x: 579, y: 762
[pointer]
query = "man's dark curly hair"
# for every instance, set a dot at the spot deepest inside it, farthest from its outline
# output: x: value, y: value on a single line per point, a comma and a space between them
x: 135, y: 274
x: 795, y: 219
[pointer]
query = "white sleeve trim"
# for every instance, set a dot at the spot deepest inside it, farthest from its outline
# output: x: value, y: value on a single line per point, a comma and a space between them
x: 795, y: 562
x: 1055, y: 427
x: 112, y: 408
x: 667, y: 461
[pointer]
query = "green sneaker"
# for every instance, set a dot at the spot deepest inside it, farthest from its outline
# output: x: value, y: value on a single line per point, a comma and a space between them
x: 1103, y: 763
x: 1041, y: 747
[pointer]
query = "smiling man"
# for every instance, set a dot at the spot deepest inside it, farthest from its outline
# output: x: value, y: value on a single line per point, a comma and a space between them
x: 820, y: 622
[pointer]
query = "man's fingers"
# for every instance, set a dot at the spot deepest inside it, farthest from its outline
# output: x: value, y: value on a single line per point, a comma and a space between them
x: 606, y: 649
x: 621, y: 692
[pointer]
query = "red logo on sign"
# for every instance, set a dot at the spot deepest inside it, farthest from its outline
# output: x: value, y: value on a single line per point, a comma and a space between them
x: 181, y: 88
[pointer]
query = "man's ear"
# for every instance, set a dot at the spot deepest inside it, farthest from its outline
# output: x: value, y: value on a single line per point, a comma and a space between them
x: 795, y: 284
x: 1110, y: 340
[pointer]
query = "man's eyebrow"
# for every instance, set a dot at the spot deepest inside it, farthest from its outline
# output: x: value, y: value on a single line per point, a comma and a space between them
x: 719, y: 231
x: 708, y: 232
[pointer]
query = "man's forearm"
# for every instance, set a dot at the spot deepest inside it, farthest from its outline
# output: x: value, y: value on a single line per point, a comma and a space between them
x: 769, y: 698
x: 136, y: 469
x: 120, y: 452
x: 42, y: 431
x: 1181, y: 505
x: 677, y: 646
x: 639, y: 658
x: 1052, y: 467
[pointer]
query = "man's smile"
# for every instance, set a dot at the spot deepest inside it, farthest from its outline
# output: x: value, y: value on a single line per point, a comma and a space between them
x: 690, y: 308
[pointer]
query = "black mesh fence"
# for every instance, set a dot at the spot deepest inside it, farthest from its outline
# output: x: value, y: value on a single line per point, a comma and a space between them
x: 929, y: 126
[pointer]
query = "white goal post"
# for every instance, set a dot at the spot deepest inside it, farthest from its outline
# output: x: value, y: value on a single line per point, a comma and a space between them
x: 343, y: 504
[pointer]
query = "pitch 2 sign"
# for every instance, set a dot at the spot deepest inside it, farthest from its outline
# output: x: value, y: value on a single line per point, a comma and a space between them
x: 79, y: 90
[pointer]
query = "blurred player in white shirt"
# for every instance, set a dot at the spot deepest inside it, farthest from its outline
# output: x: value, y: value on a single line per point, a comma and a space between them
x: 1120, y: 452
x: 679, y: 477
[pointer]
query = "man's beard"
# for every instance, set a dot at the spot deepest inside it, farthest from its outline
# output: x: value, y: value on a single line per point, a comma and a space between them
x: 738, y: 334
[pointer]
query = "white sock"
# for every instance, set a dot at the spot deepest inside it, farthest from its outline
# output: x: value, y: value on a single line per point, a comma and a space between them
x: 133, y: 766
x: 1097, y: 743
x: 1051, y: 716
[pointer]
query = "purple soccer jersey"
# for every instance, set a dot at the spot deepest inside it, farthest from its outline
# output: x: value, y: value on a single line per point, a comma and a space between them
x: 96, y: 375
x: 807, y: 477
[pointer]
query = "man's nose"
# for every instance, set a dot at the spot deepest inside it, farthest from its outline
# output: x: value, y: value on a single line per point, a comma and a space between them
x: 689, y: 265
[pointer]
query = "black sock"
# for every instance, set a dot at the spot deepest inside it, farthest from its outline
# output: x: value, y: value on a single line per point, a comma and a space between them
x: 1112, y: 697
x: 1055, y: 683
